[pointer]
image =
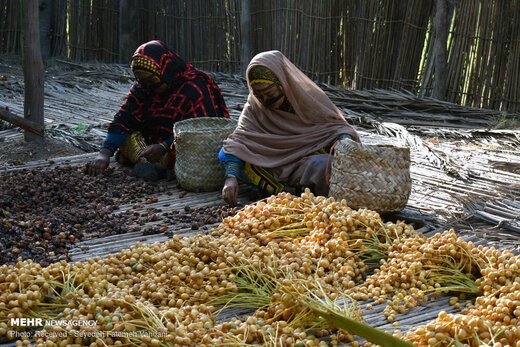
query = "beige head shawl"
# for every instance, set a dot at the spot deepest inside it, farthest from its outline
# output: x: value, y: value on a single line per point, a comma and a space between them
x: 278, y: 139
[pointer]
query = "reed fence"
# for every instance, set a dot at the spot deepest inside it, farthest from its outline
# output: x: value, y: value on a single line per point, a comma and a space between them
x: 359, y: 44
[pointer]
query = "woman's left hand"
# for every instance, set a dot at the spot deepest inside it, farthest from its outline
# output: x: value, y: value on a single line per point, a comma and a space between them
x: 153, y: 153
x: 230, y: 190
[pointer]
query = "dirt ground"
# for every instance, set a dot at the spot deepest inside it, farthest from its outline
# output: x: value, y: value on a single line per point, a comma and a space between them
x: 16, y: 151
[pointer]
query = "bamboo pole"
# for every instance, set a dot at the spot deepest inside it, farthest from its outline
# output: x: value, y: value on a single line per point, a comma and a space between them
x: 33, y: 69
x: 58, y: 26
x: 499, y: 52
x: 439, y: 50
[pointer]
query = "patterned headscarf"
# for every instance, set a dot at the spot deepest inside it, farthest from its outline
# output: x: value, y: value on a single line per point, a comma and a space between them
x: 157, y: 58
x: 140, y: 63
x: 261, y: 74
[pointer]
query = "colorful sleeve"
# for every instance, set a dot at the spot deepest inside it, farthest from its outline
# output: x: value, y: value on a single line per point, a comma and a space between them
x: 232, y: 165
x: 114, y: 141
x: 345, y: 136
x: 169, y: 140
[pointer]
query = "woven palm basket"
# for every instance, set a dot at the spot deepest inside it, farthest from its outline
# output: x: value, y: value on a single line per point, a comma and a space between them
x: 198, y: 142
x: 374, y: 176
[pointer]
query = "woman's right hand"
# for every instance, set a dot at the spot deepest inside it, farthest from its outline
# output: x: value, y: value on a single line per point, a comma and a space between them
x: 99, y: 164
x: 230, y: 190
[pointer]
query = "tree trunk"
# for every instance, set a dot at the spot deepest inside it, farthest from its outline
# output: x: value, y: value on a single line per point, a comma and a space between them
x: 245, y: 35
x: 440, y: 52
x: 45, y: 18
x: 33, y: 68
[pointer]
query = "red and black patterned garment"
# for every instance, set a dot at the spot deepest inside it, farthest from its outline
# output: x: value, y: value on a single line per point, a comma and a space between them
x: 191, y: 93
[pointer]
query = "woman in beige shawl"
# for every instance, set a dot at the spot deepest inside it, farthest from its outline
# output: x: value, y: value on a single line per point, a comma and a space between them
x: 284, y: 133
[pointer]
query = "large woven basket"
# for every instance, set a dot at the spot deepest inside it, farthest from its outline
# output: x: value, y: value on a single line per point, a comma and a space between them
x: 198, y: 142
x: 375, y: 176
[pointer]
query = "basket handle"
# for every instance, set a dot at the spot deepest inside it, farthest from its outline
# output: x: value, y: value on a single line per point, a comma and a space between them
x: 327, y: 175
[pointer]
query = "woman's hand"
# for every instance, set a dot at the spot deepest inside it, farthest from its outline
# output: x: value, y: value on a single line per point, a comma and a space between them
x: 153, y: 153
x: 230, y: 190
x: 100, y: 163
